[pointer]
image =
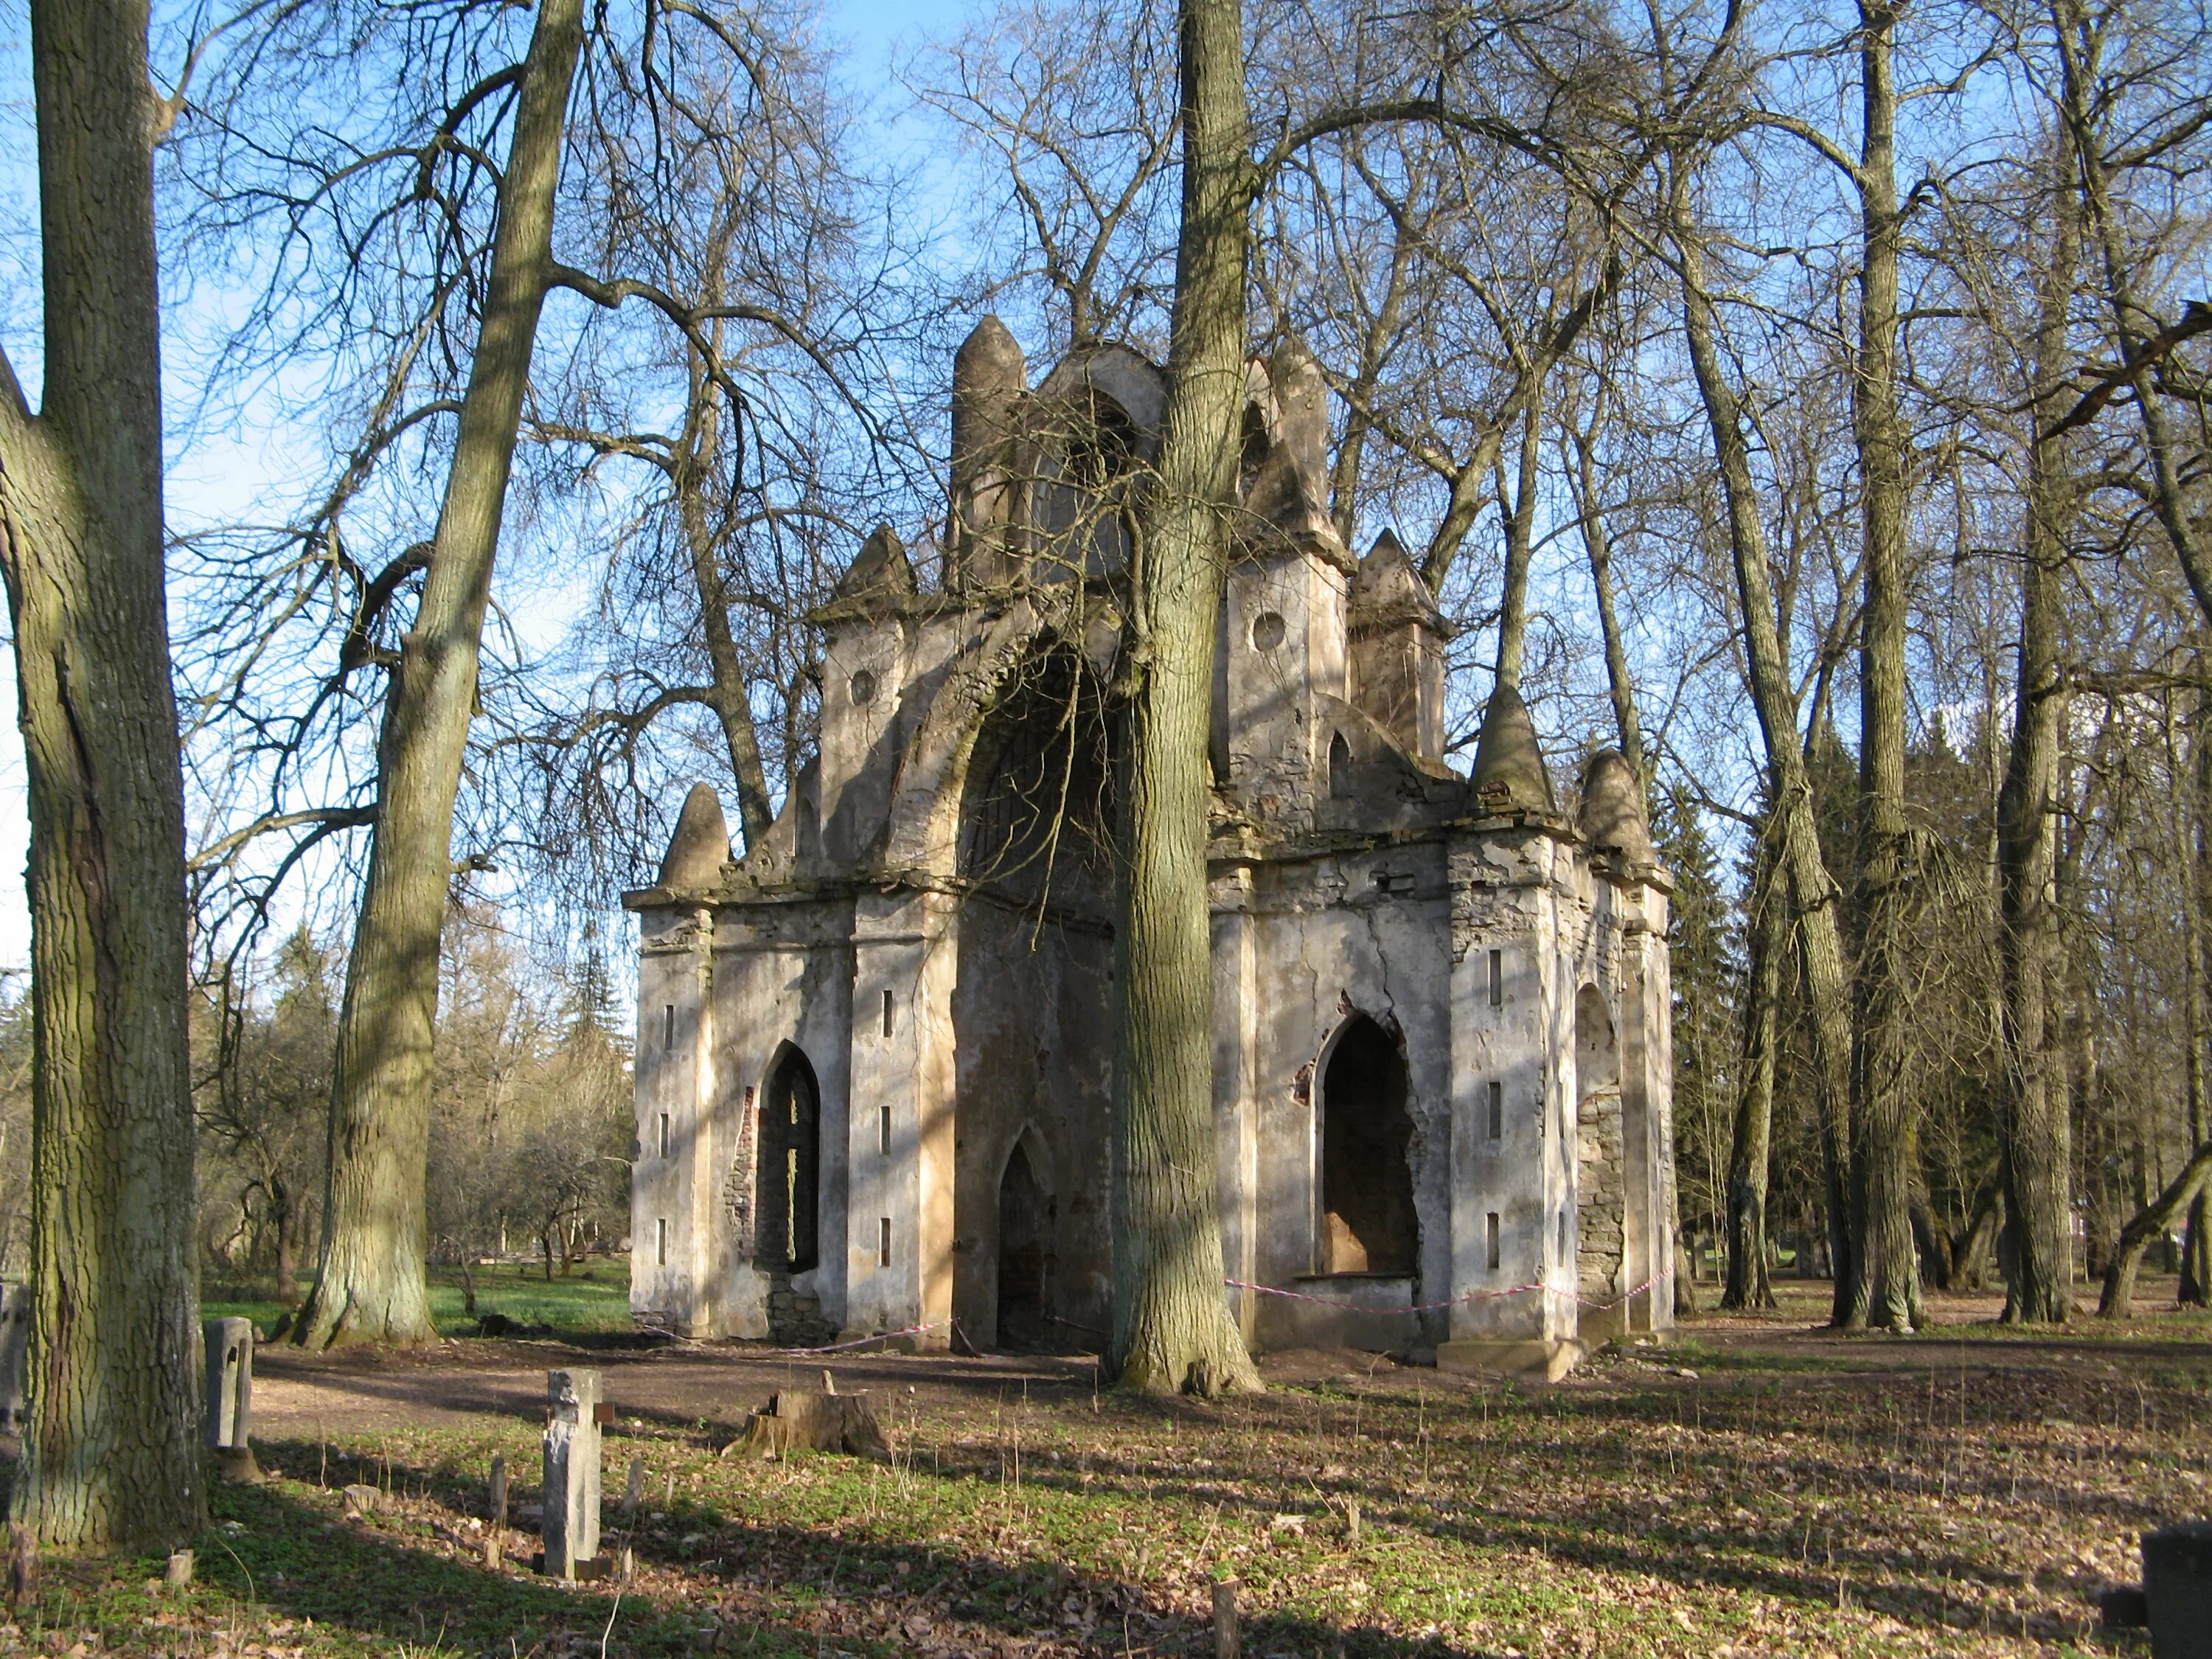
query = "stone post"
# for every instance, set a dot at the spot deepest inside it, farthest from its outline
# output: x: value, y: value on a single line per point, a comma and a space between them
x: 229, y: 1405
x: 571, y: 1471
x: 15, y: 1343
x: 2178, y: 1587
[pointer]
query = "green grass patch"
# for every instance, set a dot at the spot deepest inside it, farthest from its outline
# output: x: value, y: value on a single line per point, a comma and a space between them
x: 593, y: 1299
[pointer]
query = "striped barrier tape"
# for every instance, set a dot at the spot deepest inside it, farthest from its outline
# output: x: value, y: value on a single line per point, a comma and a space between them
x: 1435, y: 1307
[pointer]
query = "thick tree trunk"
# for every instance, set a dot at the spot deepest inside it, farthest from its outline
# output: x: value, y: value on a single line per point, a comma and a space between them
x: 1172, y: 1329
x: 2196, y: 1286
x: 1886, y: 1265
x: 1812, y: 891
x: 370, y: 1285
x: 111, y: 1454
x: 1748, y: 1154
x: 2035, y: 1157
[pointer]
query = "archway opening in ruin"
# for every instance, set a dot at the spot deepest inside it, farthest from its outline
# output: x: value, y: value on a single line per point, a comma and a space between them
x: 790, y: 1166
x: 1367, y: 1173
x: 1026, y: 1213
x: 1601, y: 1187
x: 1038, y: 816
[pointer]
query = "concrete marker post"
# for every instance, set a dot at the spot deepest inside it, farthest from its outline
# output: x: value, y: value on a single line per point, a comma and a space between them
x: 572, y: 1475
x: 1225, y: 1640
x: 229, y: 1401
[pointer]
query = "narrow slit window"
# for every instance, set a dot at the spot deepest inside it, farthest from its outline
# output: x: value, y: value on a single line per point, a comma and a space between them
x: 884, y: 1244
x: 884, y: 1130
x: 1497, y: 1109
x: 887, y: 1014
x: 1563, y: 1235
x: 1497, y: 979
x: 1490, y: 1240
x: 661, y: 1241
x: 668, y: 1026
x: 663, y: 1145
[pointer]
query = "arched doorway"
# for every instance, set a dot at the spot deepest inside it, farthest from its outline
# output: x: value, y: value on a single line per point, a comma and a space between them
x: 787, y: 1239
x: 1026, y: 1212
x: 1368, y: 1222
x: 1600, y: 1186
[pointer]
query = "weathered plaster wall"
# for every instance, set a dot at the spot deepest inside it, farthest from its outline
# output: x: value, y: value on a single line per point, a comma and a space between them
x: 1332, y: 938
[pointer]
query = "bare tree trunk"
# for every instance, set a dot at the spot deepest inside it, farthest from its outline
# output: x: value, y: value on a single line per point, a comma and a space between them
x: 1813, y: 892
x: 733, y: 707
x: 1599, y: 546
x: 2035, y: 1157
x: 1748, y: 1155
x: 1886, y: 1267
x: 1972, y: 1248
x: 2149, y: 1223
x: 2132, y: 324
x: 1520, y: 516
x: 286, y: 1203
x: 1172, y: 1329
x: 2195, y: 1287
x: 370, y: 1285
x: 111, y: 1455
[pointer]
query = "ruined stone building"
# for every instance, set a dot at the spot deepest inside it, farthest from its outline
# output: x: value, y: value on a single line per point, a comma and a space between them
x: 874, y: 1055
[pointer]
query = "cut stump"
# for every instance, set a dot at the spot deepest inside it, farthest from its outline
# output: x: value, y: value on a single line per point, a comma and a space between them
x: 797, y: 1420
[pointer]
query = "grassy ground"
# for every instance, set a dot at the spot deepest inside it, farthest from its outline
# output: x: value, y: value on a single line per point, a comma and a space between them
x: 1756, y: 1488
x: 594, y: 1297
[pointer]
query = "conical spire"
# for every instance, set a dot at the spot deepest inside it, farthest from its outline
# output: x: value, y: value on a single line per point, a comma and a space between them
x: 1389, y: 589
x: 1612, y: 808
x: 1509, y: 776
x: 701, y: 845
x: 879, y: 570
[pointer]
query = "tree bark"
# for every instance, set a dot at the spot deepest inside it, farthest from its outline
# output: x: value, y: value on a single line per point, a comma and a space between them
x: 2195, y: 1285
x: 1519, y: 512
x: 287, y: 1206
x: 1749, y: 1150
x: 1812, y: 891
x: 1886, y: 1267
x: 729, y: 691
x: 1172, y: 1328
x: 1599, y: 546
x: 370, y: 1284
x: 2035, y: 1158
x: 111, y: 1454
x: 2147, y: 1224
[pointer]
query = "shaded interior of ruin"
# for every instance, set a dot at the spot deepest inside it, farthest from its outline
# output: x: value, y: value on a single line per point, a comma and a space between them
x: 1369, y: 1225
x: 790, y: 1167
x: 1032, y: 1009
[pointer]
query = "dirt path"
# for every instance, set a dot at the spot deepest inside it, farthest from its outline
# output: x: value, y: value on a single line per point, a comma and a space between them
x: 457, y: 1383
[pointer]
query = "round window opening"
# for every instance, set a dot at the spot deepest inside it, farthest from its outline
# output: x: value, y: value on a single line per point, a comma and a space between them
x: 1267, y: 631
x: 864, y: 687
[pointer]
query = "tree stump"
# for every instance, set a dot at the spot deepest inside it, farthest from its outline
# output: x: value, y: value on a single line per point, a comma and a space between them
x: 796, y: 1419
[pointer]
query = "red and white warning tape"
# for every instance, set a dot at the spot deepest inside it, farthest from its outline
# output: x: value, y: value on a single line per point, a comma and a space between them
x: 1434, y: 1307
